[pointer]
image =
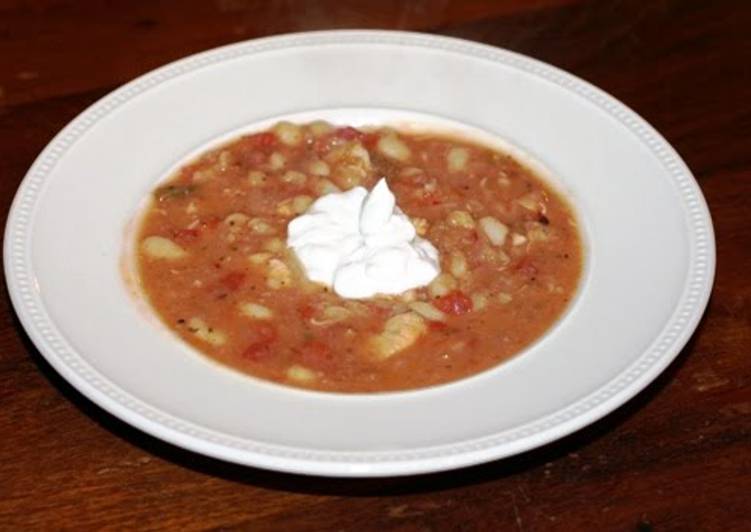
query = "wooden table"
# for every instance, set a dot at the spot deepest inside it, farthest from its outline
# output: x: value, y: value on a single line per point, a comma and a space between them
x: 676, y: 457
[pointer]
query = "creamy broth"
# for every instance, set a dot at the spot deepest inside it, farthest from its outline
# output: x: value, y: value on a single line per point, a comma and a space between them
x: 214, y: 264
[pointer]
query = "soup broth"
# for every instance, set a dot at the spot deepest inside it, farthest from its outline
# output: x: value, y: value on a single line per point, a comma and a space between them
x: 214, y: 264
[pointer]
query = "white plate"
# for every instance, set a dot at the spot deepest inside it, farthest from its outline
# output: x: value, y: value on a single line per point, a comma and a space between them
x: 649, y: 270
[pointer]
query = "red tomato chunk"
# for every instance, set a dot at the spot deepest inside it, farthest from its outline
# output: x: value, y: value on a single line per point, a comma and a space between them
x: 454, y: 303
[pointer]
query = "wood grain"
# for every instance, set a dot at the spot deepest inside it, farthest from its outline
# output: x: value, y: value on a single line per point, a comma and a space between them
x: 677, y: 457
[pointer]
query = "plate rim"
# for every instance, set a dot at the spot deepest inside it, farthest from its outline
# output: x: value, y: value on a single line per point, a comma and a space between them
x: 571, y: 417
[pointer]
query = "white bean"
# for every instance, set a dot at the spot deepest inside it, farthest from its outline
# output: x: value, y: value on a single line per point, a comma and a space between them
x: 225, y: 161
x: 458, y: 264
x: 399, y: 332
x: 236, y: 221
x: 351, y: 164
x: 256, y: 178
x: 461, y: 219
x: 331, y: 314
x: 274, y: 245
x: 530, y: 202
x: 411, y: 171
x: 320, y: 128
x: 203, y: 175
x: 260, y: 226
x: 479, y: 301
x: 292, y: 206
x: 505, y: 298
x: 259, y: 258
x: 277, y: 161
x: 348, y: 176
x: 293, y: 177
x: 300, y: 373
x: 503, y: 257
x: 280, y: 275
x: 158, y: 247
x: 324, y: 186
x: 392, y: 147
x: 301, y: 203
x: 209, y: 335
x: 428, y: 311
x: 408, y: 296
x: 537, y: 233
x: 494, y: 230
x: 319, y: 168
x: 421, y: 226
x: 442, y: 285
x: 457, y: 159
x: 357, y: 153
x: 256, y: 311
x: 288, y: 133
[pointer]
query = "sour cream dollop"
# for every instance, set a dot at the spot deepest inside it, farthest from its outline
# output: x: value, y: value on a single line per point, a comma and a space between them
x: 361, y: 244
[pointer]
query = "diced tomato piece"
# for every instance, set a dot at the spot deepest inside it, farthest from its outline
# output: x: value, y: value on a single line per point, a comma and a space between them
x: 263, y: 335
x: 428, y: 198
x: 255, y: 158
x: 189, y: 235
x: 265, y: 332
x: 438, y: 325
x: 317, y: 355
x: 369, y: 140
x: 186, y: 173
x: 526, y: 268
x: 306, y: 311
x: 257, y: 352
x: 263, y: 140
x: 233, y: 280
x: 348, y: 133
x: 322, y: 145
x: 257, y: 147
x: 455, y: 303
x: 185, y: 235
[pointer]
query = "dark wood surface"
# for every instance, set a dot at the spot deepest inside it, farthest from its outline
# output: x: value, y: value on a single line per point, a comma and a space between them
x: 677, y: 457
